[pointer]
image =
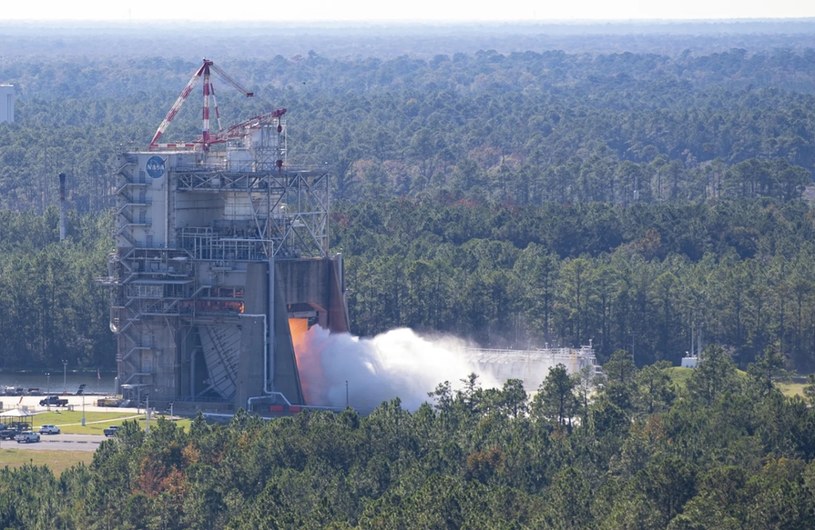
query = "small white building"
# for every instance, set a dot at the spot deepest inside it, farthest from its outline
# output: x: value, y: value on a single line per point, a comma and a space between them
x: 690, y: 361
x: 6, y: 103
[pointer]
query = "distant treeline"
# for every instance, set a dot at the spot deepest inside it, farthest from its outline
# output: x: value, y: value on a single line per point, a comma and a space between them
x: 525, y: 128
x: 657, y: 280
x: 647, y: 201
x: 51, y: 305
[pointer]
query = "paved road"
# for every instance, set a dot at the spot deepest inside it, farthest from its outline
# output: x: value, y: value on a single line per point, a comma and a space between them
x: 32, y: 403
x: 59, y: 442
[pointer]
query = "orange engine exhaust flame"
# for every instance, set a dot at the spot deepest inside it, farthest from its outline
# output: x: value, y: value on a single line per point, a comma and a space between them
x: 308, y: 364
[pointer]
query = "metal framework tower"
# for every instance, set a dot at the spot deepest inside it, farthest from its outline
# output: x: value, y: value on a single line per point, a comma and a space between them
x: 219, y: 244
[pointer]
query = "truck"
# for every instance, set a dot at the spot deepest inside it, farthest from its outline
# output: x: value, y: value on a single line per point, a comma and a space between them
x: 7, y: 433
x: 55, y: 401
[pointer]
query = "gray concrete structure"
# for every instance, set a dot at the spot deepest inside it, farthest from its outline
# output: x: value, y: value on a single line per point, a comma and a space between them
x: 7, y: 96
x: 218, y: 246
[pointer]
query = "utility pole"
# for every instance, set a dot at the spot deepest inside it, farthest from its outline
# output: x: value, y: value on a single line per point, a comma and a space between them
x: 64, y: 375
x: 48, y: 389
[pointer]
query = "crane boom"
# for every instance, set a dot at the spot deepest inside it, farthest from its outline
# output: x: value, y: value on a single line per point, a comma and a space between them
x: 237, y: 130
x: 208, y: 90
x: 177, y: 105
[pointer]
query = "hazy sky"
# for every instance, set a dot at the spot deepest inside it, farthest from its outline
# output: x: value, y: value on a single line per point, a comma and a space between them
x: 413, y: 10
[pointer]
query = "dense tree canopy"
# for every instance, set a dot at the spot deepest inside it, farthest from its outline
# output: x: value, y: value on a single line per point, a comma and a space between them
x: 722, y: 451
x: 650, y: 279
x: 637, y: 200
x: 524, y: 128
x: 523, y: 186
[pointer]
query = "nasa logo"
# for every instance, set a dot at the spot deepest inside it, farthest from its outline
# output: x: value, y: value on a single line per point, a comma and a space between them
x: 155, y: 167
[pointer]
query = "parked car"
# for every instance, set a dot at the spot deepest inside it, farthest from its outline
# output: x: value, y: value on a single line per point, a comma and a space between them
x: 27, y: 437
x: 49, y: 429
x: 112, y: 430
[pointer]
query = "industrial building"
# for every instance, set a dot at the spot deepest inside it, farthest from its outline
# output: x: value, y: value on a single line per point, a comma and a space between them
x: 6, y: 103
x: 221, y: 258
x: 532, y: 366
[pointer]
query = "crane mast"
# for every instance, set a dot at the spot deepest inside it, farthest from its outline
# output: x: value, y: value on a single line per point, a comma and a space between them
x: 207, y: 138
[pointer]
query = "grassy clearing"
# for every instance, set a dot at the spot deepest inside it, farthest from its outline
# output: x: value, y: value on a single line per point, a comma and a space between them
x: 70, y: 422
x: 56, y: 461
x: 679, y: 377
x: 791, y: 389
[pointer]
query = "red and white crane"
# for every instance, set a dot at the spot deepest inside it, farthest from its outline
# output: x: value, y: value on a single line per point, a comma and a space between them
x: 207, y: 138
x: 239, y: 129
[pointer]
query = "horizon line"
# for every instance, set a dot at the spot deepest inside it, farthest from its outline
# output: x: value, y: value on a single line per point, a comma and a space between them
x: 403, y: 22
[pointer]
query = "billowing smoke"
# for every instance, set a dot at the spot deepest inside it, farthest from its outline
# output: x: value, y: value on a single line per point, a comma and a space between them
x: 366, y: 372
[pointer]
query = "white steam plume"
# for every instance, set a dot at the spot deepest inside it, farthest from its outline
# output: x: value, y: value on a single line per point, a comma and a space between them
x: 398, y: 363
